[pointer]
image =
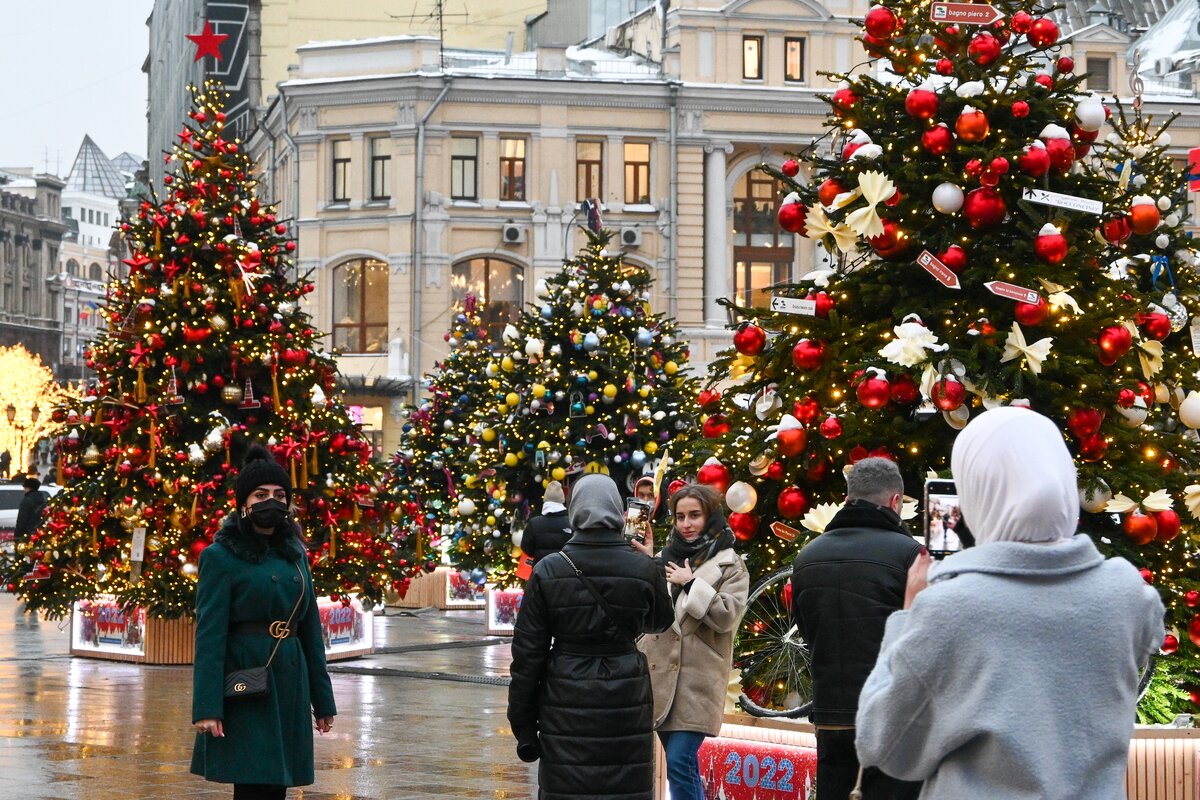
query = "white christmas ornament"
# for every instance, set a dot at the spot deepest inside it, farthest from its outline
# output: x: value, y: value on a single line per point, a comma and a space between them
x: 970, y: 89
x: 1162, y: 241
x: 196, y: 454
x: 1189, y: 410
x: 947, y: 198
x: 534, y: 347
x: 1098, y: 499
x: 1053, y: 131
x: 1163, y: 140
x: 466, y: 507
x: 741, y: 498
x: 511, y: 334
x: 1089, y: 114
x: 1133, y: 416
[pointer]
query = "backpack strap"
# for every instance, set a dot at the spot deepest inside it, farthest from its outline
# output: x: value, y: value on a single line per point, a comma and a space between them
x: 604, y: 606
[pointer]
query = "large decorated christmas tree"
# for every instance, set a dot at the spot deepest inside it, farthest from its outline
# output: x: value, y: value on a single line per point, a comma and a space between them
x: 989, y: 249
x: 207, y: 351
x: 589, y: 379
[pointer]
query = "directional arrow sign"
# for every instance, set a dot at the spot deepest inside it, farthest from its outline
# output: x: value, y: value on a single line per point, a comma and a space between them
x: 1012, y: 291
x: 1060, y: 200
x: 783, y: 531
x: 933, y: 265
x: 964, y: 13
x: 793, y: 305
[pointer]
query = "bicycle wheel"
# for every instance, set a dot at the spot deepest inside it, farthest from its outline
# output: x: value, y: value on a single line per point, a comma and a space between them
x: 773, y: 660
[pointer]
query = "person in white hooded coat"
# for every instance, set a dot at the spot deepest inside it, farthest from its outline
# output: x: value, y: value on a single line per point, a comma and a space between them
x: 1014, y: 674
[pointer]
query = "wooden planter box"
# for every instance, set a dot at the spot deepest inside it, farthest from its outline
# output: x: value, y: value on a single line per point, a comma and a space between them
x: 1162, y: 761
x: 444, y: 589
x: 101, y: 629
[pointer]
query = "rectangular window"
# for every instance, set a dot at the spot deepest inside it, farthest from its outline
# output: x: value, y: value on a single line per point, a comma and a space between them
x: 752, y: 60
x: 341, y: 172
x: 380, y: 161
x: 793, y: 60
x: 106, y: 220
x: 1099, y: 77
x: 512, y: 169
x: 637, y: 173
x: 66, y: 212
x: 464, y: 164
x: 91, y: 217
x: 589, y: 166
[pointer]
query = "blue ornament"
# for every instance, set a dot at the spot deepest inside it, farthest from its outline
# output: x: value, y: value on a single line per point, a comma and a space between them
x: 626, y: 312
x: 590, y: 342
x: 582, y: 380
x: 478, y: 576
x: 637, y: 458
x: 547, y: 312
x: 577, y: 409
x: 644, y: 337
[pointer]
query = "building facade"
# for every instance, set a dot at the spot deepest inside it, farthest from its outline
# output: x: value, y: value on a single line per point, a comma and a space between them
x: 416, y: 175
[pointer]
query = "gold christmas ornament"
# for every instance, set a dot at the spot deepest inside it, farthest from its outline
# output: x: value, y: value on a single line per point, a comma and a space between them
x: 231, y: 393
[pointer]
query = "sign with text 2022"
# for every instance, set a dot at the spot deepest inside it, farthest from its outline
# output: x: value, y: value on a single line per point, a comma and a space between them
x: 737, y: 769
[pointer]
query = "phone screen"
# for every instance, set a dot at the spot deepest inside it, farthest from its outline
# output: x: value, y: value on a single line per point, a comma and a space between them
x: 637, y: 512
x: 945, y: 529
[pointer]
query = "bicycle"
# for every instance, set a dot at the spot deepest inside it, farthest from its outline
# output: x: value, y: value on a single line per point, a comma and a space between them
x: 773, y: 660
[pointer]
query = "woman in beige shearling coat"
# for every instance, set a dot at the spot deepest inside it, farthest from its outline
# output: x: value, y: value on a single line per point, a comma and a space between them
x: 690, y: 662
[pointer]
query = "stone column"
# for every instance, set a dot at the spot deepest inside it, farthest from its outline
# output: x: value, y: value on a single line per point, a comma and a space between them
x: 717, y: 283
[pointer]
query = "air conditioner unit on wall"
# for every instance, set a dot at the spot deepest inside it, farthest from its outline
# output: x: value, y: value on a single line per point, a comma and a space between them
x: 631, y: 237
x: 512, y: 234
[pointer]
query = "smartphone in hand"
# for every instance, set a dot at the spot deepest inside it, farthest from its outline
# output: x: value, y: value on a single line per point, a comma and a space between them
x: 946, y: 531
x: 637, y: 514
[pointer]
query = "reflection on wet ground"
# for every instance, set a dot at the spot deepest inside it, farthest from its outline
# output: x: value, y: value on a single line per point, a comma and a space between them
x: 422, y: 718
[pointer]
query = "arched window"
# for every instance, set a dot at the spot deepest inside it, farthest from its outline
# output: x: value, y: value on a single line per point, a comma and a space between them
x: 95, y: 272
x: 763, y: 253
x: 72, y: 268
x: 360, y: 306
x: 498, y: 284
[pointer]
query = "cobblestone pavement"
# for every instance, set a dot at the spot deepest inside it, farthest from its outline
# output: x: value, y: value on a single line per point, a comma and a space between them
x: 422, y: 718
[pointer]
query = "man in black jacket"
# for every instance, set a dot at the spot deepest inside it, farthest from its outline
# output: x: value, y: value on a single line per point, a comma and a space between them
x: 29, y: 513
x: 549, y: 531
x: 844, y: 585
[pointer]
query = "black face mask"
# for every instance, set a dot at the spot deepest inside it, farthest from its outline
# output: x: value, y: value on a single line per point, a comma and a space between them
x: 268, y: 513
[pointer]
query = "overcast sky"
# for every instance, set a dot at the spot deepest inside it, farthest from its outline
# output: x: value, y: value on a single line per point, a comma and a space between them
x: 71, y: 67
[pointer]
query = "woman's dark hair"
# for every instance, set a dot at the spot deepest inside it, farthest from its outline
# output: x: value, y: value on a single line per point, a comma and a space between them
x: 708, y: 497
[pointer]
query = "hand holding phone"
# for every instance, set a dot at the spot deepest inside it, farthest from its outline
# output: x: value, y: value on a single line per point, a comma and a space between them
x: 637, y: 518
x: 945, y: 529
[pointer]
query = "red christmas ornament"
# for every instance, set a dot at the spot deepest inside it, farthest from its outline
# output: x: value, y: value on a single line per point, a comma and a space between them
x: 984, y: 49
x: 806, y: 410
x: 1147, y: 575
x: 1084, y: 422
x: 791, y: 168
x: 1020, y: 109
x: 1144, y: 218
x: 944, y: 66
x: 972, y: 125
x: 791, y: 442
x: 823, y: 302
x: 1126, y: 398
x: 892, y: 243
x: 749, y: 339
x: 829, y: 189
x: 1093, y: 448
x: 1168, y: 525
x: 792, y: 502
x: 1192, y: 598
x: 1114, y: 341
x: 715, y: 426
x: 1043, y: 32
x: 1140, y: 528
x: 955, y: 258
x: 948, y: 394
x: 714, y: 474
x: 1031, y: 313
x: 831, y: 427
x: 984, y: 208
x: 1146, y: 392
x: 1062, y: 154
x: 1021, y: 22
x: 1035, y: 161
x: 1081, y: 140
x: 744, y: 526
x: 1050, y: 245
x: 791, y: 217
x: 946, y: 42
x: 1065, y: 64
x: 775, y: 471
x: 1116, y: 230
x: 921, y: 103
x: 873, y: 391
x: 808, y: 354
x: 1154, y: 325
x: 880, y: 22
x: 874, y: 46
x: 937, y: 140
x: 1044, y: 80
x: 904, y: 390
x: 999, y: 165
x: 843, y: 101
x: 675, y: 485
x: 1170, y: 643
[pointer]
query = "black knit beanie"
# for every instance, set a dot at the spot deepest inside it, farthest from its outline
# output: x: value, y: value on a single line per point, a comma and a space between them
x: 259, y: 468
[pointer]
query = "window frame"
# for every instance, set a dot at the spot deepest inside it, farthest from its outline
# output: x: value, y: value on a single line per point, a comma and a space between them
x: 491, y: 314
x: 362, y: 324
x: 380, y: 166
x: 458, y: 170
x: 339, y: 179
x: 803, y: 44
x: 761, y: 41
x: 584, y: 167
x: 1108, y: 73
x: 746, y: 256
x: 639, y: 199
x: 508, y: 169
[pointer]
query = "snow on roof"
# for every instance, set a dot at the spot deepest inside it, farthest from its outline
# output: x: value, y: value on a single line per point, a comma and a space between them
x: 316, y: 45
x: 1170, y: 35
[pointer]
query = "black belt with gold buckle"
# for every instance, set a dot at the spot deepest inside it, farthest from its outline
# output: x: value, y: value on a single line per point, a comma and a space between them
x: 277, y: 629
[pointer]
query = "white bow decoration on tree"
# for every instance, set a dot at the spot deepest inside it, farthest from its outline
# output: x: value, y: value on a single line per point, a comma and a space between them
x: 817, y: 225
x: 1058, y: 296
x: 876, y: 187
x: 913, y: 343
x: 1159, y: 500
x: 1034, y: 354
x: 1150, y: 352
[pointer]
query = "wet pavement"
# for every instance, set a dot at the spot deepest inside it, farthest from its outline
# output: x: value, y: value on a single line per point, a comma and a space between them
x: 422, y: 718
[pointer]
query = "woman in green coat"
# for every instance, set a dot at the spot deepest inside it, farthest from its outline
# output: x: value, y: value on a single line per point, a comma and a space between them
x: 253, y: 575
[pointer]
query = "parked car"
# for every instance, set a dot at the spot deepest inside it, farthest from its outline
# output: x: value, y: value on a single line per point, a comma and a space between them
x: 11, y: 495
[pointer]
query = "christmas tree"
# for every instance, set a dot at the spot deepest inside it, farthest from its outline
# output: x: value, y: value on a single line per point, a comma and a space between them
x: 968, y: 215
x: 589, y: 379
x: 207, y: 351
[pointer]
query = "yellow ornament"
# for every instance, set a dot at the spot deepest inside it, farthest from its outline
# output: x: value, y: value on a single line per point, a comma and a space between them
x: 644, y: 391
x: 539, y: 391
x: 595, y: 468
x: 491, y: 520
x: 513, y: 399
x: 507, y: 364
x: 651, y: 448
x: 590, y: 409
x: 610, y: 391
x: 592, y: 375
x: 670, y: 368
x: 558, y: 473
x: 489, y: 435
x: 510, y: 459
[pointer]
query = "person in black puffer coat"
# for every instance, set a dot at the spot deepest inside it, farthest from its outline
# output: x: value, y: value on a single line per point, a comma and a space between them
x: 845, y: 584
x: 549, y: 531
x: 580, y: 697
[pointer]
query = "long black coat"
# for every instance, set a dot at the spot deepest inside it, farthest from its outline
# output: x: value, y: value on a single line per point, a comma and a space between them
x: 546, y: 534
x: 589, y: 715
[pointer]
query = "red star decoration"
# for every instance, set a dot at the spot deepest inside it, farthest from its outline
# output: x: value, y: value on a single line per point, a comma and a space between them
x: 136, y: 263
x: 140, y: 353
x: 171, y: 269
x: 207, y: 43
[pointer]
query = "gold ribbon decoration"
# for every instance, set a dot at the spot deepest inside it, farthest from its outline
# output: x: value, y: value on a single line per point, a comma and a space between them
x: 1034, y: 354
x: 817, y: 225
x: 1149, y: 351
x: 1158, y: 500
x: 876, y: 187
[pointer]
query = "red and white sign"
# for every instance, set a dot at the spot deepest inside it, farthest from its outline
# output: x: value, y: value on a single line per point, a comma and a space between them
x: 737, y: 769
x: 964, y: 13
x: 346, y: 627
x: 1194, y: 169
x: 1012, y: 291
x: 934, y: 266
x: 784, y: 531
